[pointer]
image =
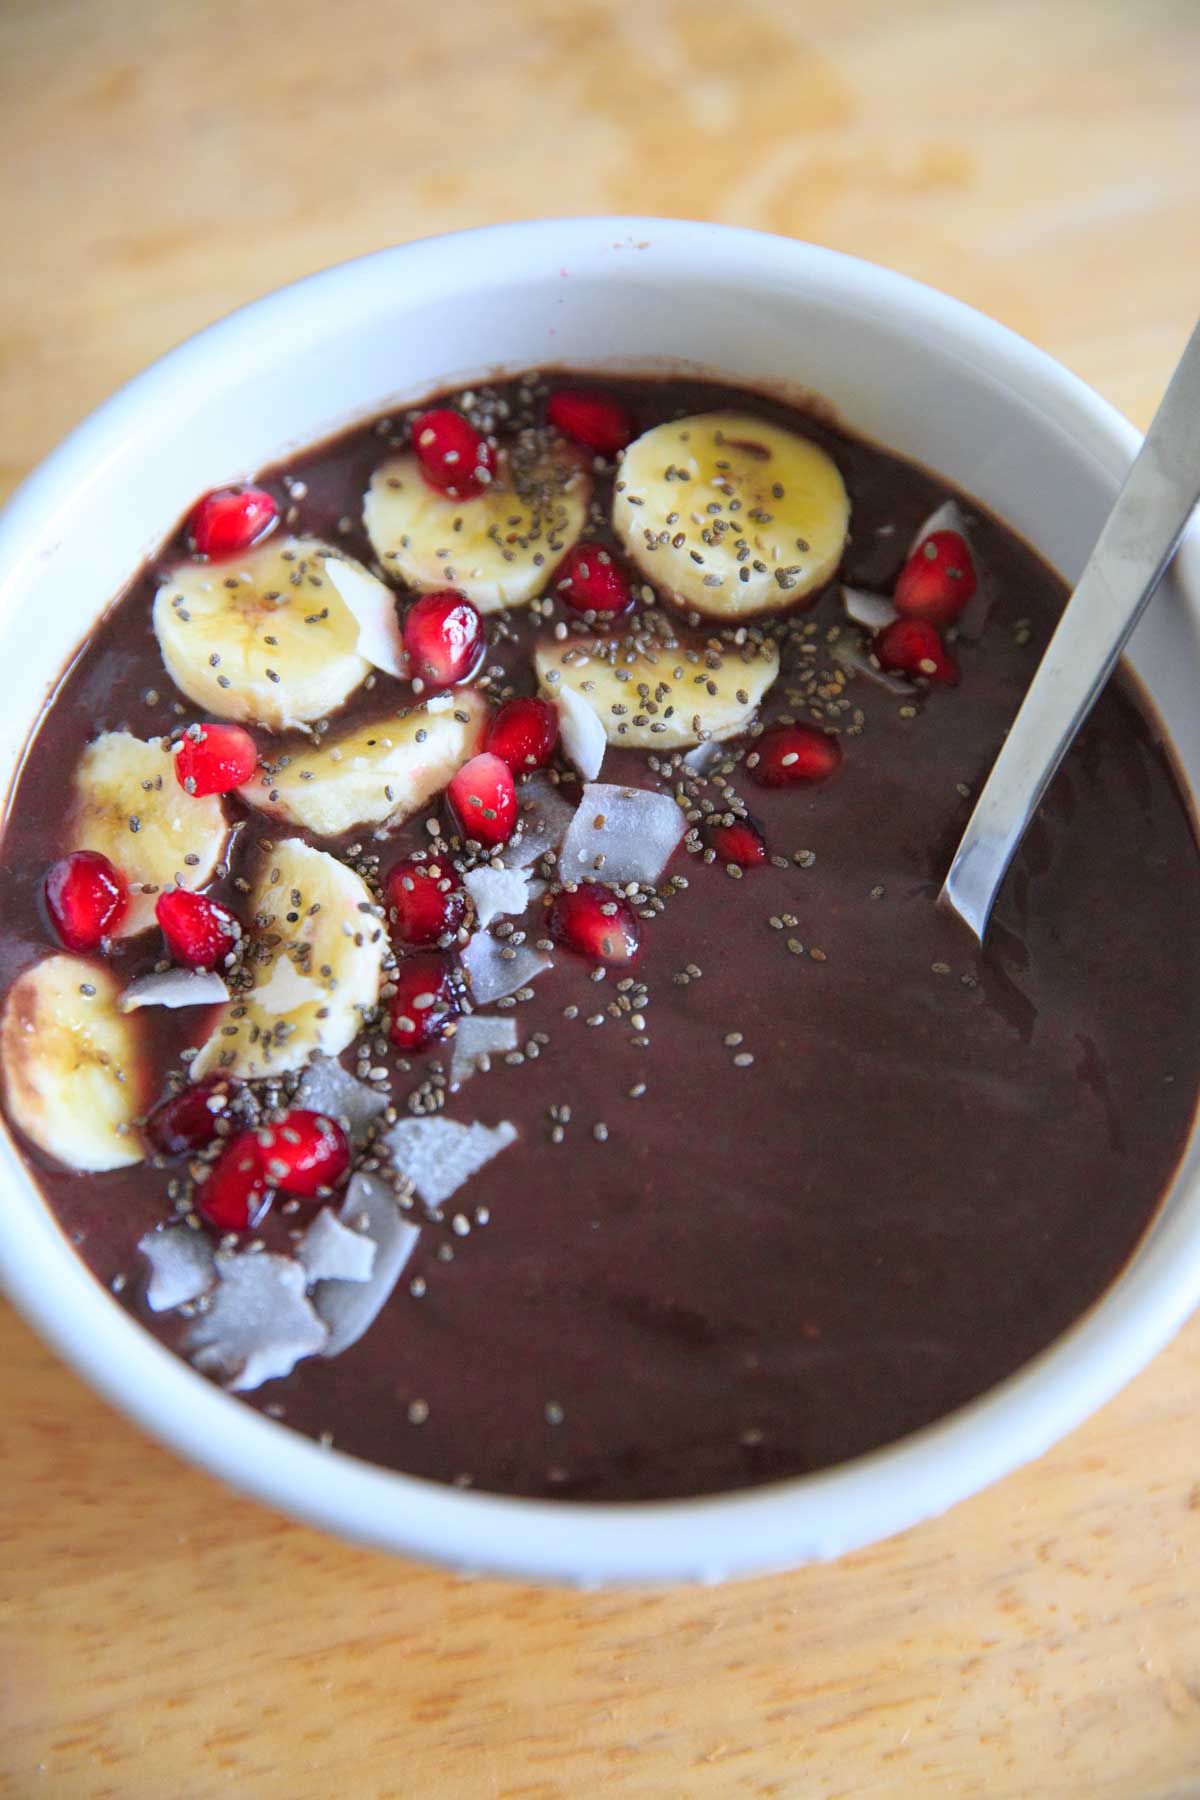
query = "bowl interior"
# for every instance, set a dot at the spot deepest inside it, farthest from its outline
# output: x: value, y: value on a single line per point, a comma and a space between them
x: 900, y: 364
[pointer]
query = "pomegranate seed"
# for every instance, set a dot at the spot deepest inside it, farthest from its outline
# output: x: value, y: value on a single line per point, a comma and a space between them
x: 913, y: 647
x: 741, y: 843
x: 86, y: 898
x: 229, y: 520
x: 188, y: 1121
x: 304, y: 1153
x: 235, y: 1195
x: 791, y: 754
x: 426, y: 1001
x: 426, y: 900
x: 937, y: 580
x: 595, y: 921
x: 589, y: 580
x: 444, y: 637
x: 452, y: 456
x: 215, y: 759
x: 483, y: 797
x: 523, y: 733
x: 199, y: 932
x: 591, y: 418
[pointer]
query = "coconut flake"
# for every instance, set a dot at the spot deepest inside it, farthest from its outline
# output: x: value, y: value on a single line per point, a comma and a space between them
x: 582, y: 732
x: 544, y: 818
x: 326, y: 1088
x: 702, y: 759
x: 439, y: 1155
x: 329, y: 1251
x: 974, y: 616
x: 859, y: 663
x: 620, y: 834
x: 349, y: 1308
x: 174, y: 988
x: 476, y: 1039
x: 285, y: 989
x: 182, y: 1266
x: 380, y: 639
x: 259, y: 1323
x: 497, y: 891
x: 496, y: 970
x: 871, y: 611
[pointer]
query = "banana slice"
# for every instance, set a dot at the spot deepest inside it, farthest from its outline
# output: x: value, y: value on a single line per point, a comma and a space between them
x: 314, y: 967
x: 377, y: 774
x: 129, y: 806
x: 73, y: 1077
x: 500, y: 548
x: 270, y: 638
x: 730, y: 515
x: 660, y: 690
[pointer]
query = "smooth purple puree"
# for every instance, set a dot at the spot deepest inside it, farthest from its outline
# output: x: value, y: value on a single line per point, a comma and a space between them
x: 768, y: 1164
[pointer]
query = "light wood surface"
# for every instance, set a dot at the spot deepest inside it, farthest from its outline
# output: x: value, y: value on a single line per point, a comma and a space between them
x: 162, y: 164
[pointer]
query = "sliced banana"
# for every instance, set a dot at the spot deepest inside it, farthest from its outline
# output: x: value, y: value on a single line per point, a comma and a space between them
x: 377, y: 774
x: 313, y: 967
x: 129, y: 806
x: 660, y: 690
x: 72, y: 1074
x: 731, y: 515
x: 500, y: 548
x: 270, y: 638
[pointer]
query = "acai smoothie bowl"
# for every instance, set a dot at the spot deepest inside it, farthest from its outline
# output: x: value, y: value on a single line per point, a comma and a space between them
x: 483, y: 1067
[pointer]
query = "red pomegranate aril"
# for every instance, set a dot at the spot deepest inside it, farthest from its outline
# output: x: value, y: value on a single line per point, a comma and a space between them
x: 86, y: 899
x: 214, y: 759
x: 523, y: 733
x: 199, y: 932
x: 596, y: 922
x: 188, y: 1121
x: 451, y: 454
x: 597, y: 420
x: 234, y: 1196
x: 304, y: 1153
x: 426, y: 1000
x: 590, y: 580
x: 425, y: 899
x: 444, y: 638
x: 483, y: 798
x: 741, y: 843
x: 789, y: 755
x: 937, y: 580
x: 912, y: 647
x: 229, y: 520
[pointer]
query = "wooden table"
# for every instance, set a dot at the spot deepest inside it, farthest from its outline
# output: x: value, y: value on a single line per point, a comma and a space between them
x: 165, y: 163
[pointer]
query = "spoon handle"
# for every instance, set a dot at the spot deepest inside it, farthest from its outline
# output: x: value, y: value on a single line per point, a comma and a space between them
x: 1131, y: 556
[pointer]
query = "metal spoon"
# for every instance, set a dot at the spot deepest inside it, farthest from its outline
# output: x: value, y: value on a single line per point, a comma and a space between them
x: 1131, y: 557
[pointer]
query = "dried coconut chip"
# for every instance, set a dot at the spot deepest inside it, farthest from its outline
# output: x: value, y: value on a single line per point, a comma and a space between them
x: 544, y: 818
x: 702, y: 759
x: 871, y: 611
x: 439, y: 1155
x: 182, y: 1266
x: 174, y: 988
x: 583, y: 734
x: 496, y: 970
x: 380, y: 639
x: 620, y: 834
x: 974, y: 616
x: 285, y: 989
x: 477, y: 1038
x: 859, y: 663
x: 497, y: 891
x: 349, y: 1308
x: 329, y: 1251
x: 325, y: 1087
x: 259, y: 1322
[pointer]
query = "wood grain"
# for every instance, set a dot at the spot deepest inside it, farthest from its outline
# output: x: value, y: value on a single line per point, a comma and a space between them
x: 159, y: 1637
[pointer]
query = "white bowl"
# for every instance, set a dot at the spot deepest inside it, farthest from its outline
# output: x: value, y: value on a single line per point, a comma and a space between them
x: 904, y: 365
